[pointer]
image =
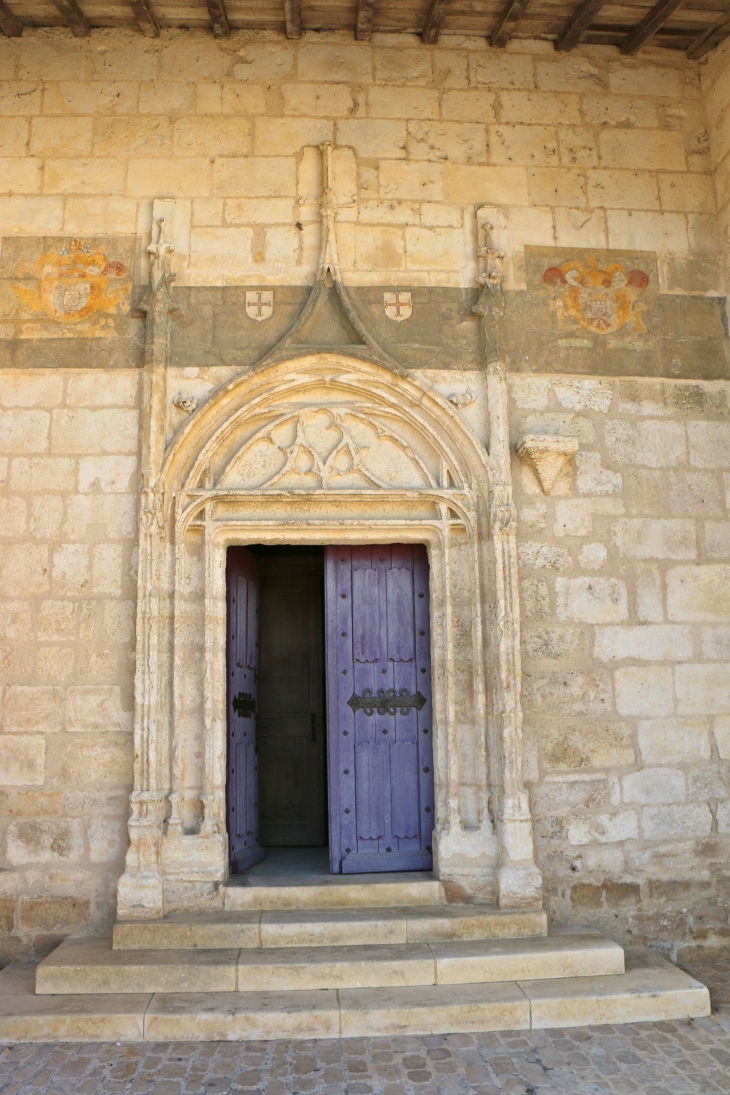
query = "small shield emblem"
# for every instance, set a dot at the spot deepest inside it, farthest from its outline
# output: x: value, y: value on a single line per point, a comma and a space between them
x: 397, y: 306
x: 259, y: 304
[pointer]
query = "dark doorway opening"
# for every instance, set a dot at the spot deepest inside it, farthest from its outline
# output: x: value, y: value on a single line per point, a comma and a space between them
x: 329, y: 706
x: 291, y: 725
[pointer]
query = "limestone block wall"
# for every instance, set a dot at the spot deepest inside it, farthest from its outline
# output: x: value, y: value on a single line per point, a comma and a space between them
x: 626, y: 646
x: 586, y: 150
x: 715, y: 86
x: 625, y: 566
x: 68, y: 511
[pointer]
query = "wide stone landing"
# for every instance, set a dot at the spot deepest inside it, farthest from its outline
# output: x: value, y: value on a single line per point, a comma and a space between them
x: 649, y: 990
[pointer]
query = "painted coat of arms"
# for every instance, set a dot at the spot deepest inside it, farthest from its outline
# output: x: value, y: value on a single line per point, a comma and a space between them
x: 602, y: 299
x: 73, y: 283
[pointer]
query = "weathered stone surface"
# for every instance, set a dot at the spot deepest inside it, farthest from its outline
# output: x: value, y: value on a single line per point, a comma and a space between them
x: 700, y: 593
x: 593, y: 600
x: 55, y: 841
x: 654, y: 643
x: 647, y: 690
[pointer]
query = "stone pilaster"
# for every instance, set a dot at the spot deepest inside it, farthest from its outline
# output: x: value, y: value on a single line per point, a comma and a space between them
x: 140, y: 891
x: 518, y: 879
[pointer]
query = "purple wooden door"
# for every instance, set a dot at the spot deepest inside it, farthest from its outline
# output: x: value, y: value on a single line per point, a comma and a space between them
x: 380, y: 755
x: 242, y: 575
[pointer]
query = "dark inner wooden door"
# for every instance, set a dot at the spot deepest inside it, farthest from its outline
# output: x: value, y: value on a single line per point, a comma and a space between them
x: 291, y: 729
x: 381, y: 788
x: 242, y: 580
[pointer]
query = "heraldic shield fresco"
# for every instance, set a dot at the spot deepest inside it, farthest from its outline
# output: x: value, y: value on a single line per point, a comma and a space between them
x: 75, y: 288
x: 602, y: 298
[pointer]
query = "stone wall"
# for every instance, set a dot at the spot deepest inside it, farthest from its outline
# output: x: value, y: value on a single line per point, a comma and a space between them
x: 584, y: 150
x: 591, y: 159
x: 68, y: 512
x: 715, y: 86
x: 626, y: 646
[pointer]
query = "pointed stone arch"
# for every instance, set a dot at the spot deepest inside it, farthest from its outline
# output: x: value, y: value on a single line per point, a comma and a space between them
x: 324, y: 448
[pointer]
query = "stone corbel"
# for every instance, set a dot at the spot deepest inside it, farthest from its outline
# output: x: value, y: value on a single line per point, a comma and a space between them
x: 547, y: 455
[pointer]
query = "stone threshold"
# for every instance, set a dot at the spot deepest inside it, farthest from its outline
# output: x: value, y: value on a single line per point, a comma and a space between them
x: 314, y: 891
x: 650, y: 990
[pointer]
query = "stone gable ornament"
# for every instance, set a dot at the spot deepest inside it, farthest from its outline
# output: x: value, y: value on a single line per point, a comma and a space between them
x: 547, y: 455
x: 259, y: 304
x: 462, y: 399
x: 398, y: 306
x: 187, y: 403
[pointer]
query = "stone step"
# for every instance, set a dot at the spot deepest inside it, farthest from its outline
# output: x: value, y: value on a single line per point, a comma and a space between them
x: 328, y: 927
x: 92, y: 966
x: 326, y: 891
x: 650, y: 990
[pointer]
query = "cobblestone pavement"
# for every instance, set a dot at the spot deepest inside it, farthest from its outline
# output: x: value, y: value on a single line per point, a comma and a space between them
x: 674, y: 1058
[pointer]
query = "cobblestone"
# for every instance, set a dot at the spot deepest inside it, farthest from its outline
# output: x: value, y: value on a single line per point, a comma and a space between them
x: 669, y: 1058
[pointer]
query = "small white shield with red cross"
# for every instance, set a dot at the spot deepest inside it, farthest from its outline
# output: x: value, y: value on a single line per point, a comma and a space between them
x: 259, y: 304
x: 397, y: 306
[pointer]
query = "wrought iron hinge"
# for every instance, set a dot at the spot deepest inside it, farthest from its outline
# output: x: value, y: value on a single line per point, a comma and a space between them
x: 244, y: 705
x: 386, y: 701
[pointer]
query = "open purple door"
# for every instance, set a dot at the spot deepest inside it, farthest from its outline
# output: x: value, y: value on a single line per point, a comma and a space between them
x: 380, y: 754
x: 242, y: 576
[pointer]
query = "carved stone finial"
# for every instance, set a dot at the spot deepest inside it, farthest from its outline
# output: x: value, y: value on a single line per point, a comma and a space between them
x: 161, y: 276
x: 547, y: 455
x: 329, y: 262
x: 491, y: 276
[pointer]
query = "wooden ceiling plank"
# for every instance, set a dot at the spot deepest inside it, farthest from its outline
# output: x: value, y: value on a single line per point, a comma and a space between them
x: 364, y: 25
x: 434, y: 21
x: 146, y: 18
x: 510, y: 15
x: 74, y: 17
x: 579, y: 22
x: 709, y: 38
x: 9, y: 22
x: 649, y: 25
x: 219, y: 18
x: 293, y: 16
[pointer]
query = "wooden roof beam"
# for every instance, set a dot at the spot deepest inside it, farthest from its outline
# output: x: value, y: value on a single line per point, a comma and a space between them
x: 74, y: 18
x: 146, y: 18
x: 434, y: 21
x: 580, y: 21
x: 364, y: 25
x: 653, y: 21
x: 9, y: 22
x: 710, y: 38
x: 510, y: 16
x: 219, y: 18
x: 293, y: 16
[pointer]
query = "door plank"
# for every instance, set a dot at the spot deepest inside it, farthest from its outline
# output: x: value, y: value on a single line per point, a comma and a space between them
x: 242, y: 579
x: 380, y: 764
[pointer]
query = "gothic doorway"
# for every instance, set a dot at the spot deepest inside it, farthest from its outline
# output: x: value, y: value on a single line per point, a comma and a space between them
x: 372, y: 604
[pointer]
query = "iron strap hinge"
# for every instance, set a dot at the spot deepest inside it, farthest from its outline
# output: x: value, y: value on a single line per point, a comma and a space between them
x: 386, y: 701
